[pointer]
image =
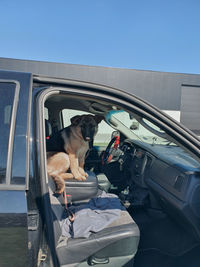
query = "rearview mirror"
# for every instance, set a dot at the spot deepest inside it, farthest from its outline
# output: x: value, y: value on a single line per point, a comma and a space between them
x: 115, y: 133
x: 134, y: 125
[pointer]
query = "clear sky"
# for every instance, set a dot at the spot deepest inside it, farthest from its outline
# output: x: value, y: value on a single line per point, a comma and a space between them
x: 160, y: 35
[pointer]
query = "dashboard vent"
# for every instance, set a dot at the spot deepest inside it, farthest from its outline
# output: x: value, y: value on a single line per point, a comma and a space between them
x: 178, y: 182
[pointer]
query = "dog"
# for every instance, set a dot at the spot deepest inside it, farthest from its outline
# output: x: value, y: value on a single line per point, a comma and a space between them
x: 67, y: 150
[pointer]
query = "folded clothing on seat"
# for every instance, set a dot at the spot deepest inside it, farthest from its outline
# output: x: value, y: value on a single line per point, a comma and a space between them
x: 92, y: 217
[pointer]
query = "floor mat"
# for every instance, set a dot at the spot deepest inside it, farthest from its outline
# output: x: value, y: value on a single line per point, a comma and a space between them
x: 158, y: 232
x: 153, y: 258
x: 191, y: 259
x: 163, y: 242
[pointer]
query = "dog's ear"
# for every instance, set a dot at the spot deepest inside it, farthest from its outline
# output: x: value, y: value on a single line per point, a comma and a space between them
x: 75, y: 120
x: 98, y: 118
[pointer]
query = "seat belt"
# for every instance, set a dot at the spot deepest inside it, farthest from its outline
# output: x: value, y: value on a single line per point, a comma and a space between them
x: 69, y: 213
x: 67, y: 200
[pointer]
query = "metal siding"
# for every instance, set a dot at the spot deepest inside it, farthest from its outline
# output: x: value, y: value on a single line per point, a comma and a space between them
x: 159, y: 88
x: 190, y: 108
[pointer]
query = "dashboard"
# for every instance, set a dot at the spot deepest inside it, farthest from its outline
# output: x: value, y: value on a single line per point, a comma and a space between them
x: 170, y: 174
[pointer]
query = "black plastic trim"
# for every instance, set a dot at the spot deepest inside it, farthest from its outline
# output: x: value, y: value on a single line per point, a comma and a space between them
x: 11, y: 137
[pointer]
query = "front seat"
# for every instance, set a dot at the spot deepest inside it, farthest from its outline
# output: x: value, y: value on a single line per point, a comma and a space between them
x: 115, y: 245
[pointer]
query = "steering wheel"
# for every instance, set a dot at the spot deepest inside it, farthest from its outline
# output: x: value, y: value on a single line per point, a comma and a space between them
x: 109, y: 152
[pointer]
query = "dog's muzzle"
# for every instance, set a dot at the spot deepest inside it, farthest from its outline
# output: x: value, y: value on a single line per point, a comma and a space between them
x: 87, y: 133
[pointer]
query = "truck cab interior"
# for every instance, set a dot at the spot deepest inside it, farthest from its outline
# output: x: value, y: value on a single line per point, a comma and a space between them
x: 155, y: 178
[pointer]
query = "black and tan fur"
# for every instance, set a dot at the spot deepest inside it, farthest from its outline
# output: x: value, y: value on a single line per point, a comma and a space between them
x: 67, y: 150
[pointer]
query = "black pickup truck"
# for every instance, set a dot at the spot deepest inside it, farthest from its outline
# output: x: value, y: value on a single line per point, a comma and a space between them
x: 153, y: 168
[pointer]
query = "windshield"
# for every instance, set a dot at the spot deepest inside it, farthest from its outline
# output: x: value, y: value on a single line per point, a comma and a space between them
x: 138, y: 129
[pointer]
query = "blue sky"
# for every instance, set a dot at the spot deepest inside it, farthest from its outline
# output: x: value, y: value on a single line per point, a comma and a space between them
x: 160, y: 35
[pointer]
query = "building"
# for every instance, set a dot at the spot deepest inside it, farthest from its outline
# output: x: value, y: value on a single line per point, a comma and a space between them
x: 176, y: 93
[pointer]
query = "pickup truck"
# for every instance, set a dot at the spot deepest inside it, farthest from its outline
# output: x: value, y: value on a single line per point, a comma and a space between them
x: 154, y: 170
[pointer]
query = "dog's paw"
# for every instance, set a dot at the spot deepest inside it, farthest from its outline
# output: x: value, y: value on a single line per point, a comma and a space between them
x: 84, y: 178
x: 59, y: 190
x: 82, y: 172
x: 80, y: 177
x: 59, y: 183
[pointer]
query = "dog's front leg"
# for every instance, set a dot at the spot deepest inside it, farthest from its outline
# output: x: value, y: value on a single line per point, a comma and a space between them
x: 81, y: 167
x: 74, y: 166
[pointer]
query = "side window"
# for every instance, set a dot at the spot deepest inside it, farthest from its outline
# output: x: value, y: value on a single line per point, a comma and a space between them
x: 7, y: 92
x: 104, y: 130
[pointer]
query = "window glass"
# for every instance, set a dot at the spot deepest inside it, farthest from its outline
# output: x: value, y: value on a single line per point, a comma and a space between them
x: 104, y: 130
x: 7, y: 92
x: 142, y: 129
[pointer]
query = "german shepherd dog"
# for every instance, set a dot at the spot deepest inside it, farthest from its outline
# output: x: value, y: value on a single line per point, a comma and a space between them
x: 67, y: 150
